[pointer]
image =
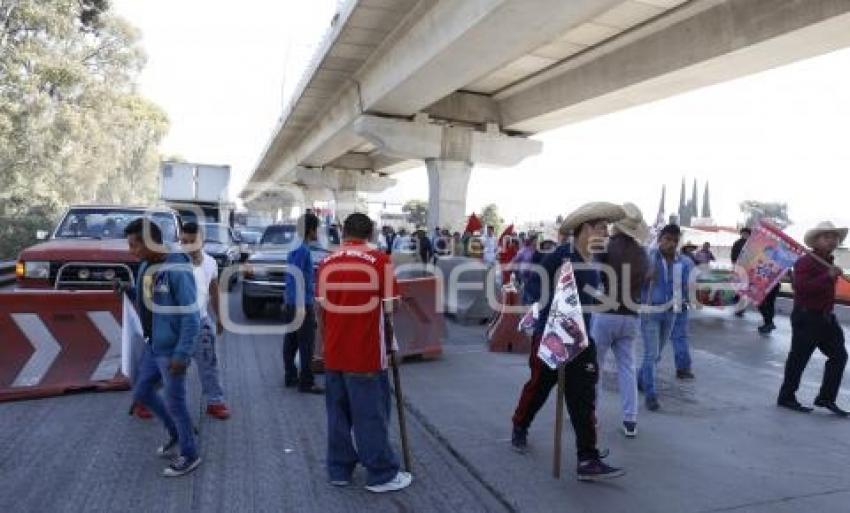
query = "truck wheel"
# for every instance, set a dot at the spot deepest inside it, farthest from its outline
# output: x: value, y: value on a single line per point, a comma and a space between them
x: 251, y: 307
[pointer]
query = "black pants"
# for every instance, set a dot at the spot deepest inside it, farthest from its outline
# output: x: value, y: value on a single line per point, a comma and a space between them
x: 581, y: 374
x: 815, y: 330
x: 767, y: 308
x: 302, y: 341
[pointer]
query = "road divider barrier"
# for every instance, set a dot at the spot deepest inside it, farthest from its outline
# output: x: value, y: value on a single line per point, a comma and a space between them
x: 56, y: 342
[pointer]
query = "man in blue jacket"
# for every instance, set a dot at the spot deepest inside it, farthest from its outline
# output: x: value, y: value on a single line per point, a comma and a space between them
x: 663, y: 297
x: 301, y: 339
x: 166, y: 299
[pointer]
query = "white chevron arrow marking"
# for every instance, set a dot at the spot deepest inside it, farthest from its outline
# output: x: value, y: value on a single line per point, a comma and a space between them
x: 45, y: 345
x: 111, y: 332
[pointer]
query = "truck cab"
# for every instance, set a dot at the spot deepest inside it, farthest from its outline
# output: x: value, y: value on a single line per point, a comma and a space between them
x: 88, y: 250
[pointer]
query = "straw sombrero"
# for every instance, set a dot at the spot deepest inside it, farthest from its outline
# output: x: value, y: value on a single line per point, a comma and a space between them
x: 820, y: 229
x: 594, y: 211
x: 633, y: 224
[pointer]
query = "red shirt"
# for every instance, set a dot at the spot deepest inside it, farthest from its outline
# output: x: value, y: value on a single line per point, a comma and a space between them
x: 351, y: 285
x: 814, y: 288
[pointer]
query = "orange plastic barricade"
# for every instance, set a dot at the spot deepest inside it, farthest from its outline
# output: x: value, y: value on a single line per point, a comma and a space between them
x: 502, y: 334
x: 419, y: 327
x: 54, y: 342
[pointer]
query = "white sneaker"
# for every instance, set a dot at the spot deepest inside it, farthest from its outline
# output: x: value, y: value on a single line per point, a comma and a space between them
x: 401, y: 481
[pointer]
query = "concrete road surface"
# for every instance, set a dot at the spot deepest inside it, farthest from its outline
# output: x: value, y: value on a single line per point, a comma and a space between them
x: 719, y: 443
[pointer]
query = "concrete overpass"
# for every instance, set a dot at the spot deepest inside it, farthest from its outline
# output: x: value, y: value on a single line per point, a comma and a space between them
x: 456, y: 83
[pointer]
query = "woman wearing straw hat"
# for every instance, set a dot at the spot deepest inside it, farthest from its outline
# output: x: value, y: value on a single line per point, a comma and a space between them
x: 813, y: 322
x: 617, y: 329
x: 589, y: 229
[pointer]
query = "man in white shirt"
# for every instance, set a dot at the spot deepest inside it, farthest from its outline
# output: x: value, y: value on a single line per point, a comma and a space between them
x: 206, y: 279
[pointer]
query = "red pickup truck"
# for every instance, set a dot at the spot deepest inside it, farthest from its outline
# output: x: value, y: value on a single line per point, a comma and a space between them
x: 87, y: 250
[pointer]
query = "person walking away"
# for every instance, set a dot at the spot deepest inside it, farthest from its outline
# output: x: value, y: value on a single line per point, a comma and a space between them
x: 681, y: 324
x: 206, y: 282
x: 704, y: 255
x: 491, y: 246
x: 523, y: 261
x: 737, y: 247
x: 813, y: 322
x: 617, y: 329
x: 659, y: 297
x: 298, y: 300
x: 589, y: 228
x: 353, y: 284
x: 166, y: 282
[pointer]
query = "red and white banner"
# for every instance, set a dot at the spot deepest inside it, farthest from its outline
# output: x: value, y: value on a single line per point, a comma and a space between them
x: 766, y: 257
x: 565, y: 335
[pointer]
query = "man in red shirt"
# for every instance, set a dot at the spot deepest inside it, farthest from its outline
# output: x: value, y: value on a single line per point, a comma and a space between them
x: 813, y: 323
x: 356, y: 289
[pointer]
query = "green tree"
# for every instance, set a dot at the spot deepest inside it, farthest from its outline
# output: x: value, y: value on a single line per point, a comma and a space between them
x: 72, y: 127
x: 417, y: 212
x: 490, y: 217
x: 775, y: 212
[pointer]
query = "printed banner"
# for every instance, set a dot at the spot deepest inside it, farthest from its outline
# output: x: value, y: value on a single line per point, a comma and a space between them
x: 565, y: 335
x: 766, y: 257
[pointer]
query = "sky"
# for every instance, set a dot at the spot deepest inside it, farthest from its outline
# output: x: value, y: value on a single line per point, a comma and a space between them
x: 222, y: 74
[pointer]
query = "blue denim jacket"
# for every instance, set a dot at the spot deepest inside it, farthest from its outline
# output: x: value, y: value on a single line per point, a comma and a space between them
x: 661, y: 288
x: 173, y: 334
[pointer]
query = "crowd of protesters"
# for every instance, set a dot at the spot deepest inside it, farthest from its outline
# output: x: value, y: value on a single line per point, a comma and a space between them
x: 646, y: 276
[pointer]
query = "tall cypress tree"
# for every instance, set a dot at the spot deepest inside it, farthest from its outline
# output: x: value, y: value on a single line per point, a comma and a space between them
x: 684, y: 218
x: 706, y: 206
x: 694, y: 202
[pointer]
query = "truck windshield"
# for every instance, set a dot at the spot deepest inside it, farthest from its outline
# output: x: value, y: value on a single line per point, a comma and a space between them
x: 102, y: 223
x: 216, y: 233
x: 280, y: 235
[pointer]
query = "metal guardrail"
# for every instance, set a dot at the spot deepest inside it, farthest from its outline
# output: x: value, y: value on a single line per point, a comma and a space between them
x: 7, y: 273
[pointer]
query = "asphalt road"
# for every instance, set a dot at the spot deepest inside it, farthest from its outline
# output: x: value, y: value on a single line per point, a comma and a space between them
x: 719, y: 443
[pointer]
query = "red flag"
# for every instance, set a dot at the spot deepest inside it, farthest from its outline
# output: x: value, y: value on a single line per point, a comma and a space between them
x: 768, y: 254
x: 508, y: 231
x: 473, y: 224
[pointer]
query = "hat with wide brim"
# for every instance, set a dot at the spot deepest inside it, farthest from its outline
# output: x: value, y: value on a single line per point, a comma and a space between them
x: 633, y: 224
x: 594, y: 211
x: 820, y: 229
x: 689, y: 244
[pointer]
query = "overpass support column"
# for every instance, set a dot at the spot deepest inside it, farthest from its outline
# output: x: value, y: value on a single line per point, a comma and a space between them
x: 449, y: 152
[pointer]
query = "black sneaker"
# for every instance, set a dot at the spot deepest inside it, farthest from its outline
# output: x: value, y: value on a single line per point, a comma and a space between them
x: 685, y: 375
x: 519, y: 440
x: 167, y: 450
x: 765, y: 329
x: 793, y: 404
x: 831, y: 406
x: 312, y: 389
x: 596, y: 470
x: 652, y: 404
x: 181, y: 466
x: 630, y: 429
x: 290, y: 383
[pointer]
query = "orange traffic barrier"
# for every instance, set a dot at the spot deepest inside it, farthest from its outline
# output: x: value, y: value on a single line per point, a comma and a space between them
x: 502, y: 333
x: 54, y: 342
x: 419, y: 327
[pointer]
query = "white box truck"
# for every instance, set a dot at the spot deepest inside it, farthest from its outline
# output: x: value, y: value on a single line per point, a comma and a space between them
x: 196, y: 190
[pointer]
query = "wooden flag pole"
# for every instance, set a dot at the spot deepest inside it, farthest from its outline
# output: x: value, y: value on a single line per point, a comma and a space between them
x: 559, y: 421
x: 389, y: 337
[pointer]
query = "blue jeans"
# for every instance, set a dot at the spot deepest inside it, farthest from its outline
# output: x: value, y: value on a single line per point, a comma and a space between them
x: 618, y: 333
x: 174, y: 413
x: 656, y: 329
x: 207, y: 362
x: 679, y: 338
x: 359, y: 404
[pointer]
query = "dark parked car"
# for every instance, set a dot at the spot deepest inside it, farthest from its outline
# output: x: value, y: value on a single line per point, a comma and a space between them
x: 265, y: 271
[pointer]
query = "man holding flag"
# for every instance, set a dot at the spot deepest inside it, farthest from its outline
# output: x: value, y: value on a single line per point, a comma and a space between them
x: 813, y: 322
x: 589, y: 229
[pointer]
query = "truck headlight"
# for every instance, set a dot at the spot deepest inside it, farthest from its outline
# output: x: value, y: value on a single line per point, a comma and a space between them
x: 37, y: 270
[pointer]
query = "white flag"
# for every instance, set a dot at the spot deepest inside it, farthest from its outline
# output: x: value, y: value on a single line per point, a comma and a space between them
x: 132, y: 339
